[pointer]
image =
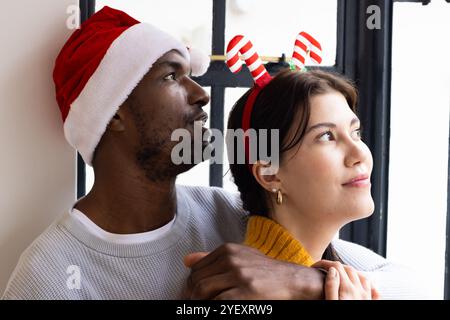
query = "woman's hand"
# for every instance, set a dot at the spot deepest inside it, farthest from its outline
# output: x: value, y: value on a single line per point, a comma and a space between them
x: 345, y: 283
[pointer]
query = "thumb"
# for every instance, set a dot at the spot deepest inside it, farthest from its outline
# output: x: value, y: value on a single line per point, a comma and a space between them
x: 193, y: 258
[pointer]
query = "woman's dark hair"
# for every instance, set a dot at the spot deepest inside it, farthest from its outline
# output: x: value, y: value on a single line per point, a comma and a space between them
x: 283, y: 104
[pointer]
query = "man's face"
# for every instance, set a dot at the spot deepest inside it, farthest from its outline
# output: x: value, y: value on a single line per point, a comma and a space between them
x: 165, y: 100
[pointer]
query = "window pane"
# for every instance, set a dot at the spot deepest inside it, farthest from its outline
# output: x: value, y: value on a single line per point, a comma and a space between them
x: 198, y: 175
x: 89, y: 178
x: 189, y: 21
x: 231, y: 96
x: 273, y: 26
x: 419, y: 140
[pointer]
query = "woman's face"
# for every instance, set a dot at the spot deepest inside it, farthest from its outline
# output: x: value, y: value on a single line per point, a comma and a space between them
x: 327, y: 178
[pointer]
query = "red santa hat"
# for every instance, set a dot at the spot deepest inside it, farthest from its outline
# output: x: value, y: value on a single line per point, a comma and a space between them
x: 98, y: 68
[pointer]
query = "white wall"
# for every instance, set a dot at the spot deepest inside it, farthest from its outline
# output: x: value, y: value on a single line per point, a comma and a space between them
x: 37, y: 167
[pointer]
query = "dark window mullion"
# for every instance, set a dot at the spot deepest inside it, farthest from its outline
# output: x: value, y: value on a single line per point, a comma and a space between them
x: 447, y: 248
x: 81, y: 177
x: 217, y: 121
x: 217, y: 90
x: 87, y: 9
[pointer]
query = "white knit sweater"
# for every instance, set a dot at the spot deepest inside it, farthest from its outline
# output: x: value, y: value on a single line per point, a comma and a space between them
x: 206, y: 218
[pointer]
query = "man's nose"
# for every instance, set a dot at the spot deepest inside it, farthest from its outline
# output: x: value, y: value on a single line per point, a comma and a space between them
x: 197, y: 95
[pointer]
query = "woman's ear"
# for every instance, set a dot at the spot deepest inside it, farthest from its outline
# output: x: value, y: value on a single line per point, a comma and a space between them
x: 117, y: 122
x: 270, y: 181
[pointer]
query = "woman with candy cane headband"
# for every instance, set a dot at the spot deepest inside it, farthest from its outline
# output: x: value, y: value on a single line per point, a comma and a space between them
x: 323, y: 178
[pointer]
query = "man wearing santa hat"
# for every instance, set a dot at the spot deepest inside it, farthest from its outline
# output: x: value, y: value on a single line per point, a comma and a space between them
x: 123, y: 87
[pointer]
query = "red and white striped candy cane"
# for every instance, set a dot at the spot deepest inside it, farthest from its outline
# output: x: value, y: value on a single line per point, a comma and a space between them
x: 240, y: 44
x: 306, y: 45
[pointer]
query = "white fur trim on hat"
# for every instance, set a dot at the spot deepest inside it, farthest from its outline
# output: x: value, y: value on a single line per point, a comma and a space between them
x: 199, y: 62
x: 124, y: 65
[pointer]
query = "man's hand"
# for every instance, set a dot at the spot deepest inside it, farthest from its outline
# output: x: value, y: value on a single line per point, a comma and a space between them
x: 235, y: 271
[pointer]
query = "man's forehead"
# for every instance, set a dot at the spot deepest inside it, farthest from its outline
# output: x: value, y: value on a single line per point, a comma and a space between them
x: 172, y: 57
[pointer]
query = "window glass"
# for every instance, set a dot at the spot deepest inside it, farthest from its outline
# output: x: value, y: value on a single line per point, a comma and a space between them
x: 189, y: 21
x: 272, y: 26
x: 419, y: 140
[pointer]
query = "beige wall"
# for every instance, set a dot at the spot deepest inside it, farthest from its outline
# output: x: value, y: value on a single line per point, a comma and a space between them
x: 37, y: 167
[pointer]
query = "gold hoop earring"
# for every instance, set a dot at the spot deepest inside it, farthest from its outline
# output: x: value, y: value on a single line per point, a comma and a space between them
x: 279, y: 197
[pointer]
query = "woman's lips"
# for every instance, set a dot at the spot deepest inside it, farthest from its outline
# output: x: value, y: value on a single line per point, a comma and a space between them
x: 359, y: 182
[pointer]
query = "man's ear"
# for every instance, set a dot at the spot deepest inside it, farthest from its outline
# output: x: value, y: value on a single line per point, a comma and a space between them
x: 269, y: 182
x: 117, y: 122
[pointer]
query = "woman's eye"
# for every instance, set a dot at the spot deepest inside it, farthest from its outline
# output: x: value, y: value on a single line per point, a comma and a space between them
x: 358, y: 133
x: 170, y: 76
x: 327, y: 136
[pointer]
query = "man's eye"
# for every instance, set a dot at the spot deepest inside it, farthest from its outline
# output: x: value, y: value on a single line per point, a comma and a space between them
x: 170, y: 76
x: 327, y: 136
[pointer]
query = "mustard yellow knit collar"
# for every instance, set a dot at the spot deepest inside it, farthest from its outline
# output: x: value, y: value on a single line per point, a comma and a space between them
x: 275, y: 241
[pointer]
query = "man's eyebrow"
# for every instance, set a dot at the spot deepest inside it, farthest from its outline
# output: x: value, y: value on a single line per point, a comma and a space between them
x: 173, y: 64
x: 329, y: 125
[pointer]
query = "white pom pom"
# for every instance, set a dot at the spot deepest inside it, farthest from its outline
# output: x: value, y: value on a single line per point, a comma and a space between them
x: 199, y: 62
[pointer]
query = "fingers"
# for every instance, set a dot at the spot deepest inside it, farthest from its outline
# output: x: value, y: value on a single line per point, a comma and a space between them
x: 344, y: 278
x: 204, y: 266
x: 352, y: 284
x: 220, y: 266
x: 209, y: 288
x: 232, y: 294
x: 193, y: 258
x: 223, y: 250
x: 375, y: 294
x: 324, y: 264
x: 353, y: 275
x: 332, y: 285
x: 366, y: 285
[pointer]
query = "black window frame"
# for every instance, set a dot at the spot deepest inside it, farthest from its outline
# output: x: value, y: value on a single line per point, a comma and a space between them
x: 87, y: 9
x: 363, y: 55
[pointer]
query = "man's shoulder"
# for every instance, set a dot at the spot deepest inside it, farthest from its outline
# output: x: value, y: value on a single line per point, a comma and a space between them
x: 217, y: 211
x: 34, y: 273
x: 213, y: 197
x: 46, y: 244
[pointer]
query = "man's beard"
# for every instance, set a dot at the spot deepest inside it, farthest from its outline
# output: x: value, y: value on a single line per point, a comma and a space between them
x: 153, y: 155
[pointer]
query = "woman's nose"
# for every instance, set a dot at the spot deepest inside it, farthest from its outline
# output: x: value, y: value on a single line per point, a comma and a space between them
x: 357, y: 153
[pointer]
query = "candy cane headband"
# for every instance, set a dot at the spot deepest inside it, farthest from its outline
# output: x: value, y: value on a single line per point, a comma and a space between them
x: 305, y: 45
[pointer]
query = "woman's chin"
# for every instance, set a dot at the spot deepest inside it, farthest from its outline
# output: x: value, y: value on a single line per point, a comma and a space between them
x: 362, y: 210
x: 368, y: 209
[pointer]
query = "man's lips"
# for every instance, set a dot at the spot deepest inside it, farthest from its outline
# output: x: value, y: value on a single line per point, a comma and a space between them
x: 203, y: 117
x: 206, y: 133
x: 361, y: 180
